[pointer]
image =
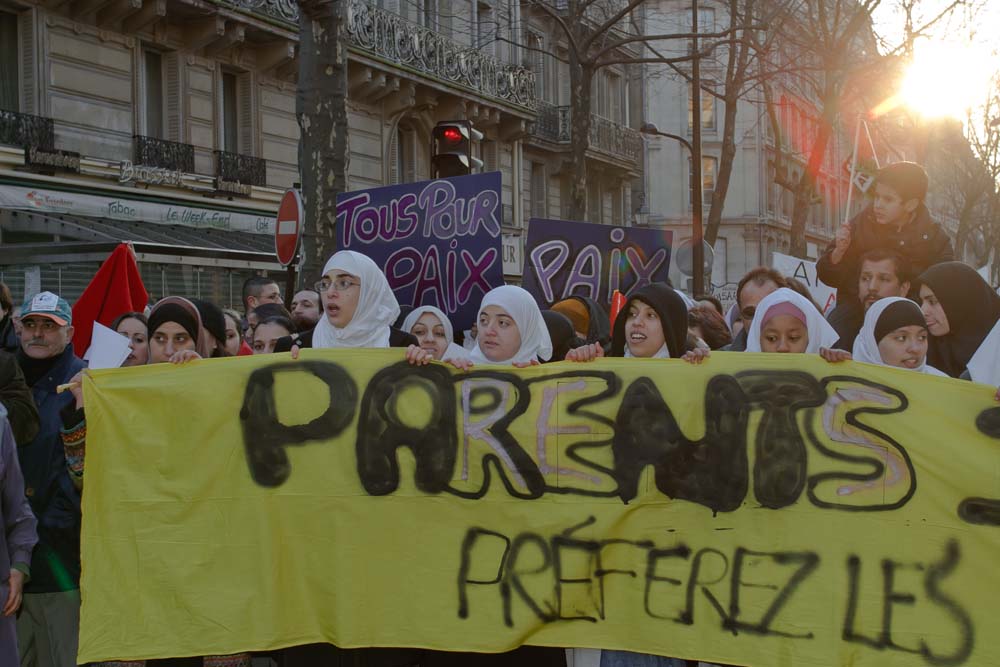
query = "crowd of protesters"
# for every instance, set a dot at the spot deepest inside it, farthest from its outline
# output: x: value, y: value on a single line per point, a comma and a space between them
x: 902, y: 302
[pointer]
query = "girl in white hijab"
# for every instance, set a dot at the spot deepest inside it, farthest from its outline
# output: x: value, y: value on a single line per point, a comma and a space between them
x: 894, y: 334
x: 786, y: 321
x: 511, y: 330
x: 434, y: 333
x: 358, y: 304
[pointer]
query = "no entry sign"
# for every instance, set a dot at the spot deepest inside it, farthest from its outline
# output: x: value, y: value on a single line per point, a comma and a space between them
x: 288, y: 231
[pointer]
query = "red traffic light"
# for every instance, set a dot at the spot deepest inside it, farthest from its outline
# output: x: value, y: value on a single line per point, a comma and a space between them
x: 452, y: 135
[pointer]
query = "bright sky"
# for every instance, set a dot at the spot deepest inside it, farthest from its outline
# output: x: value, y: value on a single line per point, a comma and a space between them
x: 952, y: 67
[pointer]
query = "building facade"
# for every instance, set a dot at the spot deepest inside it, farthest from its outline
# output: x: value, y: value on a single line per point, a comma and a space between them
x: 756, y: 219
x: 173, y: 122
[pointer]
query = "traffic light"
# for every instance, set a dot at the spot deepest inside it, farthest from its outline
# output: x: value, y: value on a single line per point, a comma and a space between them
x: 453, y: 149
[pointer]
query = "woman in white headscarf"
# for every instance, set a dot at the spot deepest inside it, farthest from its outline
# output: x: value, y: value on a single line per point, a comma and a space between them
x: 358, y: 308
x: 786, y: 321
x: 511, y: 330
x: 894, y: 334
x: 434, y: 333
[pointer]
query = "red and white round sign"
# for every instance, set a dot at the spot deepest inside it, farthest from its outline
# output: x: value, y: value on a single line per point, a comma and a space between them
x: 288, y: 229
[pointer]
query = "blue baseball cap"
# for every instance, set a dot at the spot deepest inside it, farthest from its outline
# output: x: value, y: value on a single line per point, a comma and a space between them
x: 47, y: 304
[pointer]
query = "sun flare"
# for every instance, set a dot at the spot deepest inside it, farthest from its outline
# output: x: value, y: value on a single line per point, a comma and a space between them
x: 945, y: 79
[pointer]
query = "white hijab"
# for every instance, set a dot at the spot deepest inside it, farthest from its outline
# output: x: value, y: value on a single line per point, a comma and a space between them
x: 377, y: 306
x: 865, y: 345
x: 454, y: 351
x: 984, y: 366
x: 521, y: 306
x: 821, y: 334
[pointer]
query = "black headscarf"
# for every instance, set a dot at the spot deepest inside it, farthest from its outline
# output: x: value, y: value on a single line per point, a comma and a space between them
x: 561, y: 332
x: 173, y: 312
x: 972, y: 309
x: 214, y: 321
x: 673, y: 318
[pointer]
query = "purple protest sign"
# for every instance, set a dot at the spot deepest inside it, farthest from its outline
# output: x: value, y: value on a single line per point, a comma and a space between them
x: 438, y: 242
x: 567, y: 258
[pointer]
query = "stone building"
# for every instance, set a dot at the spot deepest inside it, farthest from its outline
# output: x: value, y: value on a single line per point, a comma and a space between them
x: 172, y: 123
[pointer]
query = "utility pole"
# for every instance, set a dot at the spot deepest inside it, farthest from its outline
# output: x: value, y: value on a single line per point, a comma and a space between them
x: 697, y: 233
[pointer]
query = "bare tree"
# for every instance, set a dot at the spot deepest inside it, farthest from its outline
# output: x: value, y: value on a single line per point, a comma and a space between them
x: 601, y: 33
x: 321, y: 108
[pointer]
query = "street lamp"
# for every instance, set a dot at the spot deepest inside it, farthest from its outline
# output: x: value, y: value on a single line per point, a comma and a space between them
x: 697, y: 233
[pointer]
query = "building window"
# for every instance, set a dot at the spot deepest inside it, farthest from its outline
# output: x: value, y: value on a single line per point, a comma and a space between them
x: 616, y: 98
x: 8, y: 62
x: 230, y: 114
x: 153, y: 94
x: 709, y: 169
x: 707, y: 108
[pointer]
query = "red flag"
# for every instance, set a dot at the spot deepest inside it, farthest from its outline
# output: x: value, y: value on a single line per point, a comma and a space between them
x: 617, y: 303
x: 116, y: 288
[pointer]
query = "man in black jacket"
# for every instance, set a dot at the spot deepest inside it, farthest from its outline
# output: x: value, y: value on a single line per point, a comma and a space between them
x: 897, y: 220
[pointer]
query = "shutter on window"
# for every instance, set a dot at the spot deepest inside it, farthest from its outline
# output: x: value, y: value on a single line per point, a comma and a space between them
x: 29, y: 62
x: 394, y: 159
x: 172, y: 74
x: 246, y: 90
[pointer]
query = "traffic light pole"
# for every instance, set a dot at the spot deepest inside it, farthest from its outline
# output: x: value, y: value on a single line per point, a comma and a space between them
x: 697, y: 233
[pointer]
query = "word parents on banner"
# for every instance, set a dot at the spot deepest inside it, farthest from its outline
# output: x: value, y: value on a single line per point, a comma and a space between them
x: 748, y: 507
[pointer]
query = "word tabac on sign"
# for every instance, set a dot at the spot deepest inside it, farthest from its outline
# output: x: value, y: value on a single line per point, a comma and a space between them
x: 437, y: 241
x: 754, y: 510
x: 584, y: 259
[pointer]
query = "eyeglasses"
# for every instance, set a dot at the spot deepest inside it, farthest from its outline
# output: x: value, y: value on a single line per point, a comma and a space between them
x: 340, y: 284
x: 748, y: 312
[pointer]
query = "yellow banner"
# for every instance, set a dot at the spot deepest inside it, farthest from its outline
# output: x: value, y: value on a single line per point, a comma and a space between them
x: 755, y: 510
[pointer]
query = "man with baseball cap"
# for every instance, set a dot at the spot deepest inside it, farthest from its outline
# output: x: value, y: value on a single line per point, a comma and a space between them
x: 48, y: 626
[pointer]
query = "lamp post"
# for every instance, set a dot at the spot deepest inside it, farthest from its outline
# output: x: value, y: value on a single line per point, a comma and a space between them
x: 697, y: 235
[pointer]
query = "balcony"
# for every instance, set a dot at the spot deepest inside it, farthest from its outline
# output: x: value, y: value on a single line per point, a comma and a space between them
x: 606, y: 137
x: 281, y: 10
x: 242, y: 169
x: 389, y: 37
x: 163, y: 154
x: 24, y: 130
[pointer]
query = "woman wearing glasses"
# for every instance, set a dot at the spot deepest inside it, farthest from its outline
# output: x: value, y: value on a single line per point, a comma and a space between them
x: 358, y: 308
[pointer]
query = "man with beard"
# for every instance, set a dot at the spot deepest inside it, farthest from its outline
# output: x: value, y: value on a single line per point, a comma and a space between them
x: 883, y: 273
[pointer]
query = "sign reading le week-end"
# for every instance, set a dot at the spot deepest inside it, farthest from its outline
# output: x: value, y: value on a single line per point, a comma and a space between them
x: 288, y: 231
x: 584, y: 259
x: 438, y: 242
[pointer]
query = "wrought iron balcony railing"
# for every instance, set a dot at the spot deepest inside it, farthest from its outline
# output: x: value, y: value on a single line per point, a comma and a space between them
x: 26, y: 131
x: 153, y: 152
x: 282, y: 10
x: 555, y: 124
x: 243, y: 169
x: 388, y: 36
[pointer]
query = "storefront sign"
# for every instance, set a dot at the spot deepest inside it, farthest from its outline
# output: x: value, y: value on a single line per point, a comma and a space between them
x: 120, y: 208
x: 140, y: 173
x: 38, y: 159
x: 232, y: 188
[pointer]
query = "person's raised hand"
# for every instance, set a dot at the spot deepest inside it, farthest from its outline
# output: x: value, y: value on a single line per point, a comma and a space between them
x: 586, y: 353
x: 184, y: 356
x: 835, y: 356
x: 76, y: 388
x: 295, y: 352
x: 461, y: 363
x: 418, y: 356
x: 697, y: 355
x: 841, y: 242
